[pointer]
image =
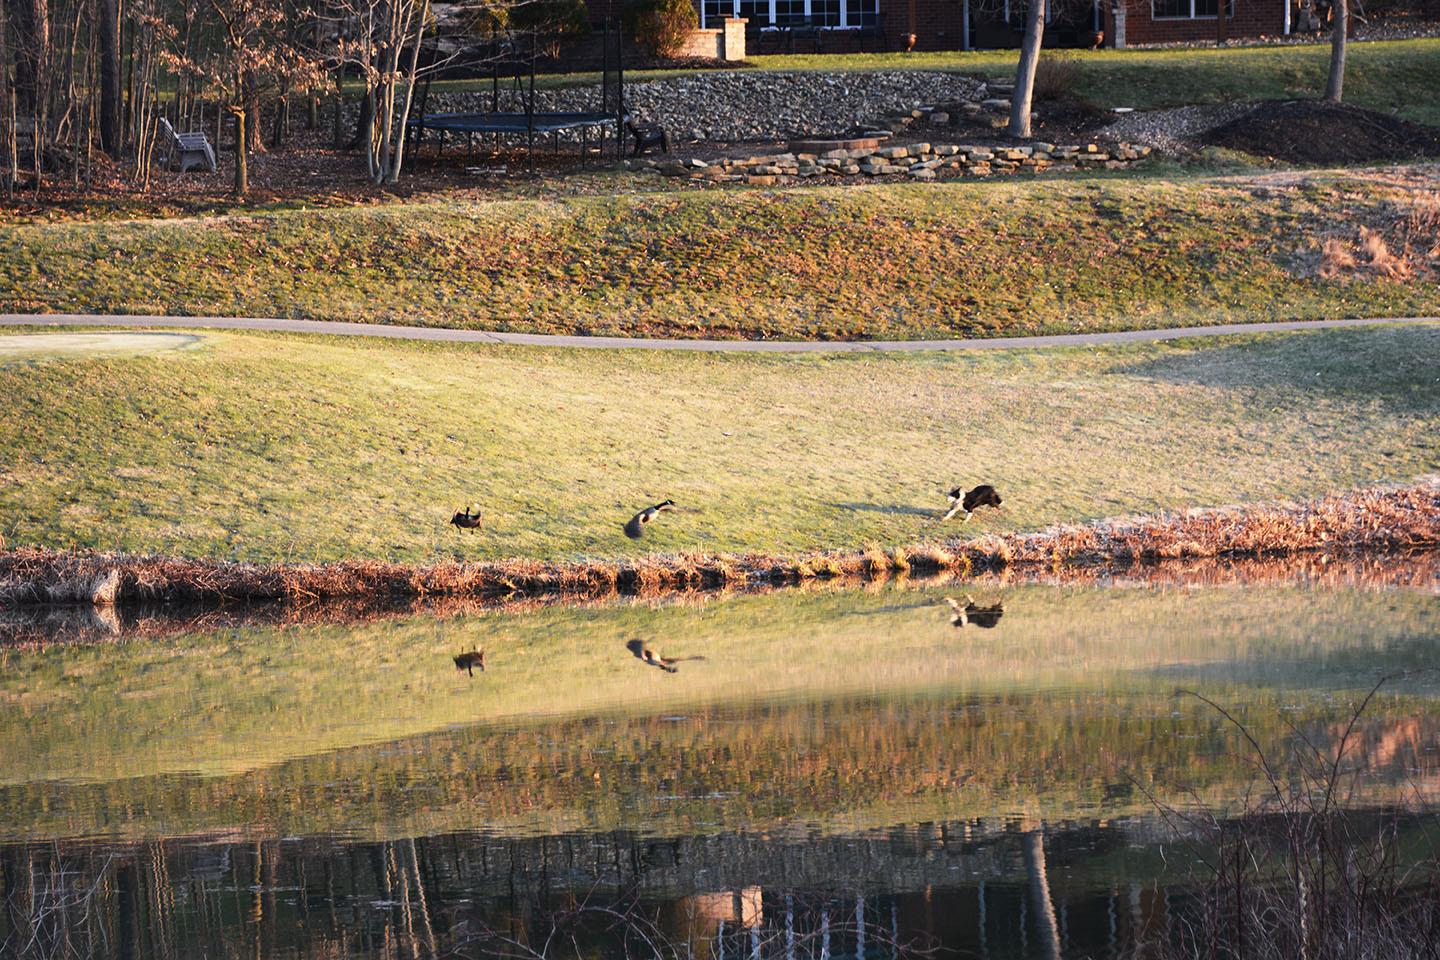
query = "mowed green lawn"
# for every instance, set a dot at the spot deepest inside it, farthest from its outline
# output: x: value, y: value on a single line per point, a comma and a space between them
x: 1393, y: 75
x: 275, y: 447
x: 881, y: 261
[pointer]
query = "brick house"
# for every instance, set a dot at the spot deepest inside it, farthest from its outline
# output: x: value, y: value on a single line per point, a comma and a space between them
x: 843, y: 26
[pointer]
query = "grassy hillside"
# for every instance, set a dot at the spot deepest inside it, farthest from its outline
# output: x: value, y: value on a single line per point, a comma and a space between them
x: 267, y: 448
x: 886, y: 261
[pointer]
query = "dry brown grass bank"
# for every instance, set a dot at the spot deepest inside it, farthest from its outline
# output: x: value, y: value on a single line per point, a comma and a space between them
x: 35, y: 627
x: 1366, y: 520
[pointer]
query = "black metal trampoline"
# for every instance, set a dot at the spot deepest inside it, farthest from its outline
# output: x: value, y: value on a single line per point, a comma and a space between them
x: 529, y: 121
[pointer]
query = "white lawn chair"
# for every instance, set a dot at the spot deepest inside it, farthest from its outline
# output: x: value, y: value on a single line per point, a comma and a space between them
x: 187, y: 149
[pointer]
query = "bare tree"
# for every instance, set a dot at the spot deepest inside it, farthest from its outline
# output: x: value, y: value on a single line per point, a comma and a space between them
x: 382, y: 39
x: 1024, y: 95
x: 251, y: 58
x: 108, y: 30
x: 7, y: 107
x: 1339, y: 27
x: 30, y: 21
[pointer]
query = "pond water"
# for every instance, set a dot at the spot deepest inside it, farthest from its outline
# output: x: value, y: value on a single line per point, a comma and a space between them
x: 821, y: 772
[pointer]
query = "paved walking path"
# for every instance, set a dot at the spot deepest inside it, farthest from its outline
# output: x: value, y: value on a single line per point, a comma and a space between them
x: 750, y: 346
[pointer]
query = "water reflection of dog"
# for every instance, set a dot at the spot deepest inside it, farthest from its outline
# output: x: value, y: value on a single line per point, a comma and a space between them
x: 469, y: 660
x: 649, y: 656
x: 971, y: 612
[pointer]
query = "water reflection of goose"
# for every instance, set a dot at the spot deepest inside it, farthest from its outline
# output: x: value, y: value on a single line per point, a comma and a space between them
x: 971, y: 612
x: 981, y: 496
x: 636, y: 526
x: 649, y: 656
x: 469, y: 660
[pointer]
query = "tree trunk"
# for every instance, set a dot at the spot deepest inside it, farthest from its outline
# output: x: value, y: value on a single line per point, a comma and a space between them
x: 30, y: 19
x: 282, y: 122
x: 409, y: 91
x: 7, y: 104
x: 1034, y: 854
x: 364, y: 123
x: 1025, y: 72
x: 110, y: 125
x: 1339, y: 26
x: 255, y: 143
x: 242, y: 175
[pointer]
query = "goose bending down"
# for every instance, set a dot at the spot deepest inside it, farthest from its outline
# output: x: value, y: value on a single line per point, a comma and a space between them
x: 982, y: 496
x: 467, y: 519
x: 637, y: 523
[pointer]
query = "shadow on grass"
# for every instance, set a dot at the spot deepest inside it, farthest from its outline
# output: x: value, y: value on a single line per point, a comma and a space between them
x: 1385, y: 363
x: 891, y: 508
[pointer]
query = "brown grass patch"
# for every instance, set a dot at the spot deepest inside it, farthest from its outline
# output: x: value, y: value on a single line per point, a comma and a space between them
x: 1380, y: 259
x: 1373, y: 519
x: 1402, y: 247
x: 1335, y: 258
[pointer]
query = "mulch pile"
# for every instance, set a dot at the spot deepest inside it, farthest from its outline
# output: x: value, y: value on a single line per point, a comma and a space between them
x: 1313, y: 131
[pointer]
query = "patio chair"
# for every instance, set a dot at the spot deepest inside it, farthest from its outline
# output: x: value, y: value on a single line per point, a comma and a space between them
x: 187, y: 149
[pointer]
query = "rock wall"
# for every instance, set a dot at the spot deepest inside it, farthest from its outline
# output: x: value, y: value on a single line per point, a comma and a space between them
x: 920, y: 161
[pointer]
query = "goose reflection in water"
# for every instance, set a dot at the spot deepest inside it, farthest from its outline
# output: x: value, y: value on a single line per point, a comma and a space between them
x: 971, y: 613
x: 647, y: 655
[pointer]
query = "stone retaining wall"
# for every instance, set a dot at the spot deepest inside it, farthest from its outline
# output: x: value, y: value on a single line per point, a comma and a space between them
x: 922, y: 161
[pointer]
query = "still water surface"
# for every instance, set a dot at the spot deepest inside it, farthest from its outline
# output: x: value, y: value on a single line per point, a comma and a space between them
x: 801, y: 772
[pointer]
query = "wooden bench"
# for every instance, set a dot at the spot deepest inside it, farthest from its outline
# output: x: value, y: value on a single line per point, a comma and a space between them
x: 648, y: 135
x: 187, y: 149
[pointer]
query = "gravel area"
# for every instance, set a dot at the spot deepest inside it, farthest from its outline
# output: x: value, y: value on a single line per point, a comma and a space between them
x: 736, y: 106
x: 1171, y: 130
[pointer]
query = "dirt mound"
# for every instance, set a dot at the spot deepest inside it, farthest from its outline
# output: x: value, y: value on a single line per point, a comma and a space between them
x: 1313, y: 131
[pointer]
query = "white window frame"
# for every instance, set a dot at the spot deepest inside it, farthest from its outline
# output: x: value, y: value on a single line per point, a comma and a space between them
x: 1227, y: 5
x: 844, y: 24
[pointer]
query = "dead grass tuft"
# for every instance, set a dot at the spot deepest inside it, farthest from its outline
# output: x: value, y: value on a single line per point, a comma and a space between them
x: 1335, y: 258
x: 876, y: 560
x: 900, y: 559
x: 1380, y: 259
x: 1056, y: 74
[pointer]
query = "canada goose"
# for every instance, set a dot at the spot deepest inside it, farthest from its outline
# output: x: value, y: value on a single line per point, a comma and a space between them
x: 636, y: 526
x: 649, y: 656
x: 467, y: 519
x: 971, y: 612
x: 982, y: 496
x: 469, y: 660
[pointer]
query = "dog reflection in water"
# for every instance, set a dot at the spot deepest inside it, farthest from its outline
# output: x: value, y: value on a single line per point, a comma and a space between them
x: 469, y: 660
x: 970, y: 612
x: 649, y: 656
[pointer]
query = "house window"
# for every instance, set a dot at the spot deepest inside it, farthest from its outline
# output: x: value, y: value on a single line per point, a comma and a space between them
x: 861, y: 13
x: 1188, y: 9
x: 763, y: 13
